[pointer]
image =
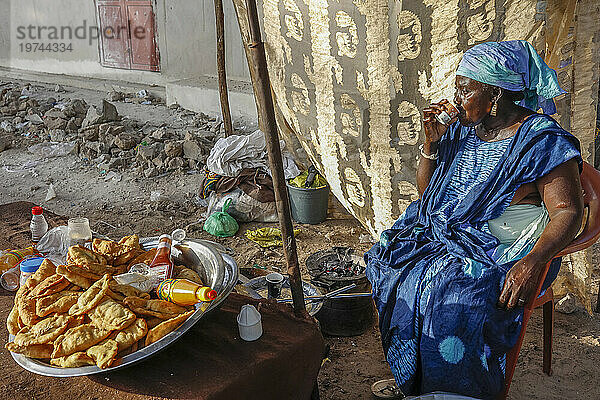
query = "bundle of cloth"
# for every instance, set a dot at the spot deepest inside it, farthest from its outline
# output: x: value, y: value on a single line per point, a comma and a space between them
x: 237, y: 168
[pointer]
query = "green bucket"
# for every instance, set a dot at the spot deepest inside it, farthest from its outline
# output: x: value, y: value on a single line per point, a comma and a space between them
x: 309, y: 206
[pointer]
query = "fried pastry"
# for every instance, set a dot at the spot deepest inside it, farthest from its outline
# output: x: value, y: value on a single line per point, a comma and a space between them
x: 84, y: 272
x: 162, y: 329
x: 121, y: 269
x: 186, y: 273
x: 144, y: 258
x: 91, y: 297
x: 154, y: 308
x: 131, y: 349
x: 132, y: 241
x: 103, y: 353
x: 58, y: 303
x: 94, y: 270
x: 43, y: 332
x: 26, y: 306
x: 127, y: 290
x: 108, y: 248
x: 52, y: 284
x: 79, y: 338
x: 12, y: 322
x: 79, y: 359
x: 31, y: 351
x: 80, y: 255
x: 45, y: 270
x: 130, y: 335
x: 118, y: 253
x: 153, y: 321
x: 115, y: 295
x: 111, y: 315
x: 73, y: 277
x: 126, y: 257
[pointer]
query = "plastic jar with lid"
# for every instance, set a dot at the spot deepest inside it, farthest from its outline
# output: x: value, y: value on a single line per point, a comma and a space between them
x: 28, y: 267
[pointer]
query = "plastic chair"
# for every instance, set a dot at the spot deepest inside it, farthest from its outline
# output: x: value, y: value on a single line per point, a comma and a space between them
x: 590, y: 183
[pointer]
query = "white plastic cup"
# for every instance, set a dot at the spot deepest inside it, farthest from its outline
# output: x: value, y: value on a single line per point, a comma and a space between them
x: 10, y: 279
x: 249, y: 323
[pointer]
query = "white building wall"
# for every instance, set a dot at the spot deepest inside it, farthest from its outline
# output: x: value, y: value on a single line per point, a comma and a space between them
x: 185, y: 36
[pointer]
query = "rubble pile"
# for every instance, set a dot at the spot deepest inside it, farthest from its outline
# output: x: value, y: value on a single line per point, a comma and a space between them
x: 102, y: 137
x: 141, y: 97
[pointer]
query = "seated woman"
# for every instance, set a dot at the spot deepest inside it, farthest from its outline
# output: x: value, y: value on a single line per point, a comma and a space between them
x: 500, y: 196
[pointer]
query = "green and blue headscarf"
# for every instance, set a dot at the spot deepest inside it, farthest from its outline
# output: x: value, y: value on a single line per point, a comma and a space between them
x: 513, y: 65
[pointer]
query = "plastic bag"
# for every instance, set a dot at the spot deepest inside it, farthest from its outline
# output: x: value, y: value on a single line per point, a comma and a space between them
x: 55, y: 242
x: 221, y: 224
x: 267, y: 237
x: 232, y: 154
x: 300, y: 180
x: 243, y: 207
x: 52, y: 149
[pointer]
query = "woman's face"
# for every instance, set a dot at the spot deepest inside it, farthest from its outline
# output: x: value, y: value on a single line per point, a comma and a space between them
x: 473, y: 100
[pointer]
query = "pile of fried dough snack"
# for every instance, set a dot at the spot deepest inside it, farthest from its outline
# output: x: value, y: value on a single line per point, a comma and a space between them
x: 76, y: 314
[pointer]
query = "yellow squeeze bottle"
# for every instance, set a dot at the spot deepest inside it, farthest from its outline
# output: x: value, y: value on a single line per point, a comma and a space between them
x: 184, y: 292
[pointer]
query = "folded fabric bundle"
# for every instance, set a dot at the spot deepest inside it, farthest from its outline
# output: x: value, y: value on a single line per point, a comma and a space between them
x: 252, y: 181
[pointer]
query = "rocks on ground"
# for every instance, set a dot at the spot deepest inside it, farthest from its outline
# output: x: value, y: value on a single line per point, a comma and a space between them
x: 102, y: 137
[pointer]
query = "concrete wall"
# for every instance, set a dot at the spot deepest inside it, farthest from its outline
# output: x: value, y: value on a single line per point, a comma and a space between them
x: 190, y: 36
x: 185, y: 35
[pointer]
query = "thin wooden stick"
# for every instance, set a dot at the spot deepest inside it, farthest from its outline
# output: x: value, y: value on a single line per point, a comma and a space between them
x: 266, y: 110
x: 219, y: 20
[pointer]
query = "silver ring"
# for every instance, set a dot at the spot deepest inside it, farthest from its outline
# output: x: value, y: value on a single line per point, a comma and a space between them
x: 520, y: 302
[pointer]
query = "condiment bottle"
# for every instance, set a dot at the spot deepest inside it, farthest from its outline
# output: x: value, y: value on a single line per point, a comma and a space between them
x: 38, y: 224
x: 184, y: 292
x: 10, y: 258
x: 162, y: 264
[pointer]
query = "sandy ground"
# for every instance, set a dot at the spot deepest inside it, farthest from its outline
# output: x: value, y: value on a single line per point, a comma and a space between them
x: 124, y: 207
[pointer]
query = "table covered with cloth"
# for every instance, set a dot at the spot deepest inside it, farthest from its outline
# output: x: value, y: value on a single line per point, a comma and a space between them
x: 210, y: 361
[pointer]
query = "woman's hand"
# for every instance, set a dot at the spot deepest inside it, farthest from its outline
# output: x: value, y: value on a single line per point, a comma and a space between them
x: 434, y: 130
x: 521, y: 284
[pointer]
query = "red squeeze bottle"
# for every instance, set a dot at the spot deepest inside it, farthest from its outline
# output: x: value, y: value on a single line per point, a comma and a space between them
x: 162, y: 263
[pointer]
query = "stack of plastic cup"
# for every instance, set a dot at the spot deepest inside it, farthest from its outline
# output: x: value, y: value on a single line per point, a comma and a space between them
x: 249, y: 323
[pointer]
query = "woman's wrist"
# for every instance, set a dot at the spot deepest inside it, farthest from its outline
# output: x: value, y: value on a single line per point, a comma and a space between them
x: 430, y: 147
x: 428, y: 154
x: 536, y: 261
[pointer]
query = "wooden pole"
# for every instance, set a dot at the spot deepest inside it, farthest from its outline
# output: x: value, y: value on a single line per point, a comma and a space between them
x: 267, y: 115
x: 219, y: 20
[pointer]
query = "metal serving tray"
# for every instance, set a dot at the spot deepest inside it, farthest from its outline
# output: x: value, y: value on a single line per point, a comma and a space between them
x: 259, y: 285
x: 216, y: 269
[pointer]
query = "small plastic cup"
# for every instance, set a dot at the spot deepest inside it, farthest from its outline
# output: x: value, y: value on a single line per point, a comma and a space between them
x: 9, y: 280
x: 249, y: 323
x: 449, y: 114
x: 79, y: 231
x: 274, y: 284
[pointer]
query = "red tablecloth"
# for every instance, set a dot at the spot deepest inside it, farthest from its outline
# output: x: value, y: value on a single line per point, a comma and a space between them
x: 209, y: 362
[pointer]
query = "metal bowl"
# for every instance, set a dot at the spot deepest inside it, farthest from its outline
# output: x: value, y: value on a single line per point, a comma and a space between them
x: 259, y: 285
x: 216, y: 269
